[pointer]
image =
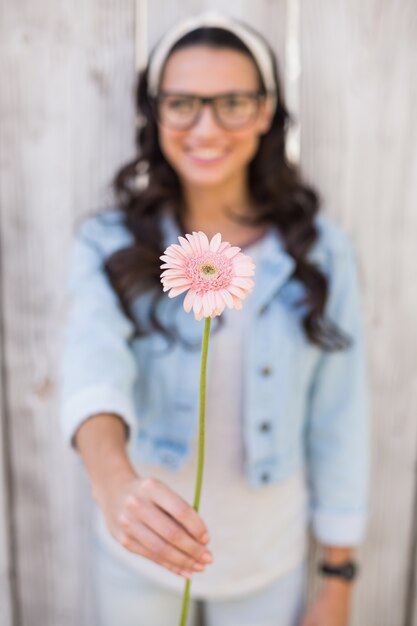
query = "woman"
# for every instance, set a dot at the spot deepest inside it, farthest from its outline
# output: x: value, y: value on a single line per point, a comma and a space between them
x: 287, y: 442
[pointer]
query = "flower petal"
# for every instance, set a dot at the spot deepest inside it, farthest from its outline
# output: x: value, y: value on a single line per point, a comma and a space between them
x: 243, y: 269
x: 177, y: 282
x: 207, y: 308
x: 198, y: 303
x: 173, y: 272
x: 194, y: 243
x: 237, y: 291
x: 186, y: 245
x: 188, y: 300
x: 231, y: 252
x: 178, y: 267
x: 203, y: 240
x: 220, y: 302
x: 227, y: 298
x: 176, y: 291
x: 173, y: 260
x: 242, y: 281
x: 215, y: 242
x: 177, y: 250
x: 211, y: 299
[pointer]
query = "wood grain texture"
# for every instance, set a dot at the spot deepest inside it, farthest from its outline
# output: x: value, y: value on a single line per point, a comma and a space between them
x: 411, y: 605
x: 7, y: 586
x: 67, y: 122
x: 359, y: 146
x: 6, y: 582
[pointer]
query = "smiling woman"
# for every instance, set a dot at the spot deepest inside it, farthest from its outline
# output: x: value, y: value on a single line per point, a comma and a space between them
x: 214, y: 144
x: 287, y: 418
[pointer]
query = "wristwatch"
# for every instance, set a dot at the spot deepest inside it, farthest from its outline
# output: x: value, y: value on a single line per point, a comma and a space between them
x: 347, y: 570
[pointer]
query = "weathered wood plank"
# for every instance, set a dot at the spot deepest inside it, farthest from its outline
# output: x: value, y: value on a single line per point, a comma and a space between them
x: 411, y: 598
x: 358, y: 102
x: 411, y: 605
x: 67, y: 122
x: 6, y: 600
x: 6, y: 565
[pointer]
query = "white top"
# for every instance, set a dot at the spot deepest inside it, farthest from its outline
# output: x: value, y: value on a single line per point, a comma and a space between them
x: 257, y: 535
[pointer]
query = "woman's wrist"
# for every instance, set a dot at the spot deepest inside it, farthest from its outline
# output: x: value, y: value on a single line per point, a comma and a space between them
x: 120, y: 472
x: 335, y: 555
x: 101, y: 441
x: 338, y: 586
x: 338, y: 556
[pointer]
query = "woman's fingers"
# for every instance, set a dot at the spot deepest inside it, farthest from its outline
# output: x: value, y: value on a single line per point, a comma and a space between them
x: 137, y: 534
x: 135, y: 547
x: 169, y: 530
x: 150, y: 519
x: 178, y: 508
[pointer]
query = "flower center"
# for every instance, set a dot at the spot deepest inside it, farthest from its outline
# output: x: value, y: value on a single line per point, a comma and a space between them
x: 208, y: 270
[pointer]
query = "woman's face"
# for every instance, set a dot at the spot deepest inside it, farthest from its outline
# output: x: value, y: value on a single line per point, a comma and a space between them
x: 208, y: 154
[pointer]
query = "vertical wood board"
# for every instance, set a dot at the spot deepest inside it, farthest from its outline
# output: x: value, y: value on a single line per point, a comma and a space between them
x: 6, y: 583
x: 67, y: 123
x: 359, y: 145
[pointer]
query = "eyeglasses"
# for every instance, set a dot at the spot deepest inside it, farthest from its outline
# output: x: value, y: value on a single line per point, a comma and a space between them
x: 232, y: 111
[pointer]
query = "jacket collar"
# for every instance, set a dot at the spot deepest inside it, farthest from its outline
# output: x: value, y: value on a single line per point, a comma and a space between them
x: 274, y: 268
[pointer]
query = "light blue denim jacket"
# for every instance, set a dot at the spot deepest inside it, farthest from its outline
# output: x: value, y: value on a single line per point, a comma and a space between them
x: 302, y: 405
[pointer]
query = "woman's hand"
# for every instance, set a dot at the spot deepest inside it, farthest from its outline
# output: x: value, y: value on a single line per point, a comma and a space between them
x: 332, y: 607
x: 147, y: 518
x: 143, y: 514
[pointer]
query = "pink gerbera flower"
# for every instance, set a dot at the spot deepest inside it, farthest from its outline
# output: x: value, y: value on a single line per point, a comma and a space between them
x: 214, y: 273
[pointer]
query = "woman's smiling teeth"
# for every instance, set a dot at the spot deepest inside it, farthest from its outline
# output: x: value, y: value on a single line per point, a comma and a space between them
x: 206, y: 154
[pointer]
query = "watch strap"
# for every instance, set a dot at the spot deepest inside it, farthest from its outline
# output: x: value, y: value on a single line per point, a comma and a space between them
x: 347, y: 570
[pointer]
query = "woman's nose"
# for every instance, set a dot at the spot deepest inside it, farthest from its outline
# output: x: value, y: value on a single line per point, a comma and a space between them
x: 206, y: 123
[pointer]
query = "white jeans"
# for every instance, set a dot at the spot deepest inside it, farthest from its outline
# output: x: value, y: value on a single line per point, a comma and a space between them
x: 125, y: 598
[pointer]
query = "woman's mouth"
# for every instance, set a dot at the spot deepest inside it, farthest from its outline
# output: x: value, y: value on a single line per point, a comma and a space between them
x: 206, y: 155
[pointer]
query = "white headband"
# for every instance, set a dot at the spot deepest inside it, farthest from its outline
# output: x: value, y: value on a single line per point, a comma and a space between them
x: 256, y: 46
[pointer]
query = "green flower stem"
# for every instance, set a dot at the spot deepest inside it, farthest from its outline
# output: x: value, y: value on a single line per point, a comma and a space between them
x: 200, y: 459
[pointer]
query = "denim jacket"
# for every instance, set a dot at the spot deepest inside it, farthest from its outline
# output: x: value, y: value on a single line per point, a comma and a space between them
x: 303, y: 406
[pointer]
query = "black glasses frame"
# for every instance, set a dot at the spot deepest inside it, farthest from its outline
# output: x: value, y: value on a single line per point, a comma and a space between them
x: 257, y: 96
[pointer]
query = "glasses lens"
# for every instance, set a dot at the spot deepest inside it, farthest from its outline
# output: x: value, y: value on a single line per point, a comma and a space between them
x: 177, y: 111
x: 236, y: 110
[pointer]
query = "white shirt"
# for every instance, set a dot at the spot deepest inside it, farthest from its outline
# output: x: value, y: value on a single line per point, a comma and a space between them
x: 257, y: 535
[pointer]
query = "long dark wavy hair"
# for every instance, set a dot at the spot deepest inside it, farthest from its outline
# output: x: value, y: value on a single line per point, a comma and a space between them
x: 280, y: 199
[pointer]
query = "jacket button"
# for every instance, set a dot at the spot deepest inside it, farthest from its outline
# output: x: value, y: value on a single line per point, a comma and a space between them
x: 266, y: 370
x: 265, y: 426
x: 265, y: 477
x: 169, y: 458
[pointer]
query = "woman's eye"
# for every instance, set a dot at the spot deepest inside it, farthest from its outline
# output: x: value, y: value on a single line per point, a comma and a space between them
x: 180, y: 105
x: 234, y: 103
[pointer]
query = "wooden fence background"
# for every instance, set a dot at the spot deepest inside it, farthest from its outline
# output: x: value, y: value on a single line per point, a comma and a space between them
x: 67, y: 71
